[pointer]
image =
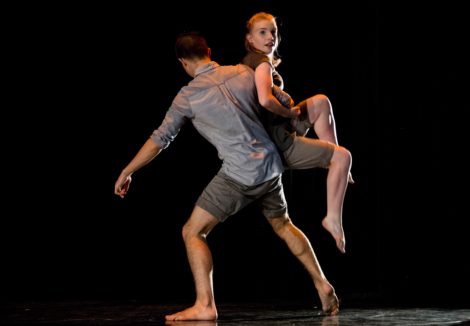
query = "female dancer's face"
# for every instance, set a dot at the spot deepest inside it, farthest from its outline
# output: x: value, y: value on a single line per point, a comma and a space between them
x: 263, y: 36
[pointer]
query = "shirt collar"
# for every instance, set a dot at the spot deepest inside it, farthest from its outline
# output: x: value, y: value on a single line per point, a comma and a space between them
x: 208, y: 66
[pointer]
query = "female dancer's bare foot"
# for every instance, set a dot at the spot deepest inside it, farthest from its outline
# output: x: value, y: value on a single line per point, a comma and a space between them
x: 350, y: 178
x: 336, y: 230
x: 196, y: 312
x: 329, y: 300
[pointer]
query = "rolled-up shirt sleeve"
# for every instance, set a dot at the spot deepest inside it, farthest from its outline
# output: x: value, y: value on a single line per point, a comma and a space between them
x: 176, y: 116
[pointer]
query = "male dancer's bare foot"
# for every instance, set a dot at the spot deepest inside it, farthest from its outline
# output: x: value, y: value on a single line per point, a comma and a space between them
x: 329, y: 300
x: 196, y: 312
x: 196, y: 322
x: 327, y: 321
x: 336, y: 230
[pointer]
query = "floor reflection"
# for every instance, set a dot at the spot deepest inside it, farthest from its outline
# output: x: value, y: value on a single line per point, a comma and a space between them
x: 139, y: 314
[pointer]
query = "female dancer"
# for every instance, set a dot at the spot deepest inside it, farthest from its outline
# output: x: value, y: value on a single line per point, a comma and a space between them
x: 288, y: 124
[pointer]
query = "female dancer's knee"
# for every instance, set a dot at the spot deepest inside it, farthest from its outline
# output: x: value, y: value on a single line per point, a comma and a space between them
x: 321, y: 101
x: 342, y: 157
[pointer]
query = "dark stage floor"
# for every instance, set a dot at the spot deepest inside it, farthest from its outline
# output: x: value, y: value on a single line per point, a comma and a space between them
x: 140, y: 313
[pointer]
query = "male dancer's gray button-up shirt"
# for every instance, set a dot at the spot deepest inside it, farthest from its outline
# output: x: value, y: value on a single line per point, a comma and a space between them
x: 222, y: 104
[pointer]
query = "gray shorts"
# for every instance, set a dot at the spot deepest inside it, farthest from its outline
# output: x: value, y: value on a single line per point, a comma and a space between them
x: 224, y: 197
x: 307, y: 153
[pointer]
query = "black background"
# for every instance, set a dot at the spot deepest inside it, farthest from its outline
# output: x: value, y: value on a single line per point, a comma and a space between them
x: 89, y: 83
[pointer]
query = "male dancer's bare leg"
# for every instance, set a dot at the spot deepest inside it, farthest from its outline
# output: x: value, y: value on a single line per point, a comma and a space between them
x: 320, y: 115
x: 300, y: 246
x: 337, y: 183
x: 199, y: 255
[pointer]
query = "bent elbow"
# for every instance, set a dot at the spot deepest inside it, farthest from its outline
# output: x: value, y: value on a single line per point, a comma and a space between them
x: 265, y: 102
